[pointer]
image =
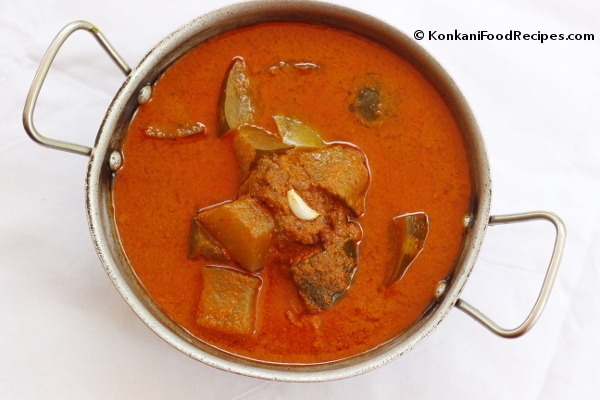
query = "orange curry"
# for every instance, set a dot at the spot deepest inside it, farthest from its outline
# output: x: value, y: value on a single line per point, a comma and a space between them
x: 181, y: 171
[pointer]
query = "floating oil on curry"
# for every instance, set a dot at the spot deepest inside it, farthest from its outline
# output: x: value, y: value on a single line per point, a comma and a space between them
x: 278, y: 185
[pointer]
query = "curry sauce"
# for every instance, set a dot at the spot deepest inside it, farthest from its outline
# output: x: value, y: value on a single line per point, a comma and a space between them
x: 350, y: 91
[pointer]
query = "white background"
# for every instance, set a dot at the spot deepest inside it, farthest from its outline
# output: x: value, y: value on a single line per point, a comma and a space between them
x: 65, y: 332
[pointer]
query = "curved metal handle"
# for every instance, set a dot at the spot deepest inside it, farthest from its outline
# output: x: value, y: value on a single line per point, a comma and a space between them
x: 542, y: 299
x: 40, y: 76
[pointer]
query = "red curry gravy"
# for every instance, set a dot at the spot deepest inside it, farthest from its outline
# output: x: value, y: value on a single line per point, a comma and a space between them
x: 417, y: 161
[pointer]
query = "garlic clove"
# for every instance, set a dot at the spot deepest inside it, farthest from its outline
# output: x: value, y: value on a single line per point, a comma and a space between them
x: 299, y: 207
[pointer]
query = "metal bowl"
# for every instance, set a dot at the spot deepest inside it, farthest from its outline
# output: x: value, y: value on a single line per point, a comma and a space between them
x: 105, y: 158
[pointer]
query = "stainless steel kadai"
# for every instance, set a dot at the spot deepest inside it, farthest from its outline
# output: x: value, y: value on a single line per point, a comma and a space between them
x: 105, y: 158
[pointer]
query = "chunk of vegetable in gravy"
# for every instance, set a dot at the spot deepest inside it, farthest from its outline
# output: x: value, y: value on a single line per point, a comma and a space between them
x: 244, y: 228
x: 228, y: 301
x: 367, y: 104
x: 235, y: 106
x: 262, y: 283
x: 202, y: 245
x: 324, y: 277
x: 296, y: 133
x: 409, y: 232
x: 250, y: 143
x: 340, y: 171
x: 371, y: 101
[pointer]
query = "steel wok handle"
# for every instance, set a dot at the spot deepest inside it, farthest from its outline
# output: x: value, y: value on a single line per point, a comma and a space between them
x: 40, y: 76
x: 542, y: 299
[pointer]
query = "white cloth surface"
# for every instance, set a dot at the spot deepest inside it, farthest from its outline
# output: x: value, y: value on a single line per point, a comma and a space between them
x: 66, y: 333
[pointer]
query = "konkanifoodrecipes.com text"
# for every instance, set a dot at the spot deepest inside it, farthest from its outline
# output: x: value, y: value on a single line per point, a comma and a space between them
x: 511, y: 35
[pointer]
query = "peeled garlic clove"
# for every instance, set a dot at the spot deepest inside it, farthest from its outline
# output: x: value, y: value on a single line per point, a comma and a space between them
x: 299, y: 207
